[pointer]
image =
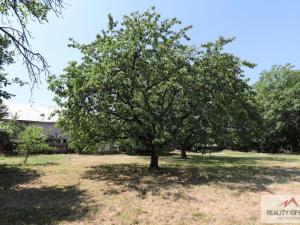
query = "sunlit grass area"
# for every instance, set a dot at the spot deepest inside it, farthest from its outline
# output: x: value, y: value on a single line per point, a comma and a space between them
x: 223, y: 188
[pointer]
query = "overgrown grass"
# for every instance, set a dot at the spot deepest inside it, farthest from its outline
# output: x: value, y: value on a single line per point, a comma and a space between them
x: 223, y: 188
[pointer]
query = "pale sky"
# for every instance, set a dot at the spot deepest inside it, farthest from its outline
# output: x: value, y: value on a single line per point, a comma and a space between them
x: 267, y: 32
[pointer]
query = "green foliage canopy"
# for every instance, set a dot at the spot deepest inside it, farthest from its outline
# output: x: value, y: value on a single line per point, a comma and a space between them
x: 140, y: 81
x: 278, y: 97
x: 31, y: 140
x: 225, y: 113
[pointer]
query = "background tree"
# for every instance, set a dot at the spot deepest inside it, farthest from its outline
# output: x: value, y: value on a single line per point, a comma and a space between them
x: 6, y: 58
x: 3, y: 111
x: 15, y: 37
x: 278, y: 97
x: 13, y: 127
x: 4, y: 137
x: 224, y: 110
x: 15, y: 16
x: 31, y: 140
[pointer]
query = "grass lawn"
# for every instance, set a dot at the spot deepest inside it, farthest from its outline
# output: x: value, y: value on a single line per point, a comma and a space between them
x: 224, y: 188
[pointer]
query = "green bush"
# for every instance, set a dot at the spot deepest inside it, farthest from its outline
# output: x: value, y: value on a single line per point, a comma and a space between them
x: 31, y: 140
x: 5, y: 143
x: 9, y: 133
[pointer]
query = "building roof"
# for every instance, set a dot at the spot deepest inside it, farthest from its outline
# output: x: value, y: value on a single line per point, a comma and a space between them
x: 31, y: 112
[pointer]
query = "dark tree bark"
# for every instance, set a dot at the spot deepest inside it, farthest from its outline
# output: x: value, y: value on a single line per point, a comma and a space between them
x: 186, y: 146
x: 153, y: 153
x: 154, y: 160
x: 183, y: 153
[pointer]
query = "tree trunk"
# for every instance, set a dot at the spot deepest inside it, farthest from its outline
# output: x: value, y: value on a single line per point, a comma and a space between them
x: 154, y: 156
x: 183, y: 153
x: 154, y: 160
x: 25, y: 160
x: 186, y: 146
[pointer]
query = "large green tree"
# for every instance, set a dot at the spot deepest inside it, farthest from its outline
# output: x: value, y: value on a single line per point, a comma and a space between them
x: 140, y: 81
x: 278, y: 97
x: 225, y: 114
x: 133, y: 83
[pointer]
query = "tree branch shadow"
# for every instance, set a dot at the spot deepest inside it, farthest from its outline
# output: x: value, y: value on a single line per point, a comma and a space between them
x: 217, y: 160
x: 134, y: 177
x: 42, y: 205
x: 12, y: 176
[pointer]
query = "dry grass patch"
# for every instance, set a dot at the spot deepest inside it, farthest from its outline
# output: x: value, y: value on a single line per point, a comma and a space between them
x: 224, y: 188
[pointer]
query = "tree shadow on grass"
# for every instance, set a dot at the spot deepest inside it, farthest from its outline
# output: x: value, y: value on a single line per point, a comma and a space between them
x: 12, y: 176
x: 46, y: 205
x: 242, y: 178
x: 219, y: 160
x: 42, y: 205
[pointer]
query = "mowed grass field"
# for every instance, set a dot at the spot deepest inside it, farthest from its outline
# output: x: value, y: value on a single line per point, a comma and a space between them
x: 223, y: 188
